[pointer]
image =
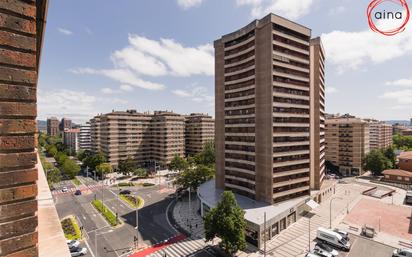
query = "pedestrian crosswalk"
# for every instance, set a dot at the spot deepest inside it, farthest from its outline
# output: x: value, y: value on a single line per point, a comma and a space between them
x: 82, y: 188
x: 180, y: 249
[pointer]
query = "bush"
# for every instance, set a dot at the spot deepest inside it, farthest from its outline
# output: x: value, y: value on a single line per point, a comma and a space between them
x: 125, y: 184
x: 106, y: 212
x: 132, y: 201
x: 147, y: 184
x: 71, y: 229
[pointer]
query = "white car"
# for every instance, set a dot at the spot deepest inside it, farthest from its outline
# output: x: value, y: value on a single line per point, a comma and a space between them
x: 64, y: 189
x: 81, y: 252
x: 72, y: 243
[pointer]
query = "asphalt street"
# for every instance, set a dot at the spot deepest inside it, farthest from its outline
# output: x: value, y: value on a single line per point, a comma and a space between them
x: 153, y: 224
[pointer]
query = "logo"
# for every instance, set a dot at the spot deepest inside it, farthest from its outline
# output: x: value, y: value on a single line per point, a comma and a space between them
x: 388, y: 17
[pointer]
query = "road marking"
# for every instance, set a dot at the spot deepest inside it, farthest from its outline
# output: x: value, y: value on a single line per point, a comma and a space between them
x: 90, y: 249
x: 167, y: 217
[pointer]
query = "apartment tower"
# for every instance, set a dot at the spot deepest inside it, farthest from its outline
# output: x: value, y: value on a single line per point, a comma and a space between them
x: 71, y: 139
x: 85, y: 137
x: 317, y: 113
x: 95, y: 134
x: 262, y: 77
x: 347, y: 143
x: 200, y: 128
x: 52, y: 126
x: 380, y: 135
x: 65, y: 124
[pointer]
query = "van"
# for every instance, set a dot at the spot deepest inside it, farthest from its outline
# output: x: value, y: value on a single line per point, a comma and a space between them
x: 402, y: 253
x: 332, y: 238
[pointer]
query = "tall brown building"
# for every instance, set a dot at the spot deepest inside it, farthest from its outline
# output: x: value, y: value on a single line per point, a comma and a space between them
x: 262, y: 77
x: 65, y: 124
x: 200, y: 128
x: 380, y: 135
x: 52, y: 126
x: 317, y: 113
x: 347, y: 143
x: 141, y: 136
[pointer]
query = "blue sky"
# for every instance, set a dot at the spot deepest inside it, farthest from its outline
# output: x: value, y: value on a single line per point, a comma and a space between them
x: 158, y: 55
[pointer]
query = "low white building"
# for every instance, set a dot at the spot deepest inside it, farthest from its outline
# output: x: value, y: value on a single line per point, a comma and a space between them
x: 71, y: 139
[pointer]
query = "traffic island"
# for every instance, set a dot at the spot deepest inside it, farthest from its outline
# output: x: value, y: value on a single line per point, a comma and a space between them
x: 106, y: 212
x: 71, y: 228
x: 133, y: 201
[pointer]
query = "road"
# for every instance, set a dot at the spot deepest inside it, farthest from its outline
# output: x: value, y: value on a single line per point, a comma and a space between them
x: 113, y: 242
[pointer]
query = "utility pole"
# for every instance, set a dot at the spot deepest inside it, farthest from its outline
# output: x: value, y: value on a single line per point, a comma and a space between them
x: 330, y: 210
x: 309, y: 235
x: 264, y: 234
x: 190, y: 211
x: 137, y: 227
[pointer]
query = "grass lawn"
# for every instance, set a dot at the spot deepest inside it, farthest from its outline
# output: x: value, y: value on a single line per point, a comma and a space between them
x: 106, y: 212
x: 76, y: 182
x: 71, y: 229
x: 132, y: 201
x: 126, y: 184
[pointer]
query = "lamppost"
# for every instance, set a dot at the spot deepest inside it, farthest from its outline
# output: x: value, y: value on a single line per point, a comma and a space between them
x: 309, y: 218
x: 137, y: 226
x: 95, y: 238
x: 330, y: 210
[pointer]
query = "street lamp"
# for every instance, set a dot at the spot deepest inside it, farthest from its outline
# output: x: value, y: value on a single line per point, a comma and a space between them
x: 330, y: 210
x: 310, y: 215
x: 95, y: 238
x: 137, y: 226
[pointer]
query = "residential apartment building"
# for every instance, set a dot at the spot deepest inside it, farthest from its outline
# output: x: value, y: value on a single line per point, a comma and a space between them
x: 52, y: 126
x: 406, y: 132
x: 85, y: 137
x: 142, y: 136
x: 199, y: 129
x: 347, y: 143
x: 65, y: 124
x: 317, y: 114
x: 380, y: 135
x: 71, y: 139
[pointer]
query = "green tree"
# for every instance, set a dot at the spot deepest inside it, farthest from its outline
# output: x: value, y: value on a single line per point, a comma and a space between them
x: 61, y: 158
x: 140, y: 172
x: 227, y: 222
x: 70, y: 168
x: 402, y: 142
x: 126, y: 167
x: 83, y: 154
x: 53, y: 140
x: 51, y: 150
x: 42, y: 139
x: 207, y: 156
x: 103, y: 169
x: 194, y: 177
x: 390, y: 155
x: 94, y: 160
x: 178, y: 163
x: 376, y: 162
x: 53, y: 176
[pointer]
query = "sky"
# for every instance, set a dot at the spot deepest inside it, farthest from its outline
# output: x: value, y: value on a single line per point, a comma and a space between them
x: 148, y: 55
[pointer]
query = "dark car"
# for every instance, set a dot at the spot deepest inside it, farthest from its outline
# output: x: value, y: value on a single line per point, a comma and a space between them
x: 75, y: 249
x: 125, y: 192
x: 326, y: 248
x: 78, y: 192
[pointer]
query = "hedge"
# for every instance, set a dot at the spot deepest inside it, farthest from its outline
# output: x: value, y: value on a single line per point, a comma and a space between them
x: 71, y: 229
x: 132, y: 201
x: 105, y: 211
x: 125, y: 184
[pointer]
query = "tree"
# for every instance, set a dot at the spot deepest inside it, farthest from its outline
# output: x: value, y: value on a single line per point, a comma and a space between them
x: 42, y: 139
x: 227, y: 222
x: 51, y: 150
x: 194, y: 177
x: 140, y: 172
x: 103, y: 169
x: 390, y: 155
x: 70, y: 168
x: 178, y: 163
x: 402, y: 142
x: 53, y: 176
x: 126, y: 167
x: 83, y: 154
x: 94, y: 160
x: 60, y: 158
x: 376, y: 162
x: 207, y: 156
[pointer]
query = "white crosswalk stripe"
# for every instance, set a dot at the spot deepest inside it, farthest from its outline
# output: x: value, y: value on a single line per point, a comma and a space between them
x: 181, y: 249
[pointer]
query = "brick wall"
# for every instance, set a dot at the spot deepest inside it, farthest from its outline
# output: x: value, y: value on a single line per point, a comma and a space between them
x: 19, y: 50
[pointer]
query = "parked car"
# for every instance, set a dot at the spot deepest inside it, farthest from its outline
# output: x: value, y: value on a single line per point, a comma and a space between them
x: 327, y: 248
x: 75, y: 249
x: 65, y: 189
x: 321, y: 252
x: 332, y: 238
x: 80, y: 252
x: 78, y: 192
x: 343, y: 233
x: 311, y: 255
x: 72, y: 243
x: 402, y: 253
x: 125, y: 192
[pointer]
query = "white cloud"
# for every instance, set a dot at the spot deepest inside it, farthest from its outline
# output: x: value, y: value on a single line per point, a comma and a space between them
x: 65, y: 31
x: 126, y: 88
x: 402, y: 97
x: 352, y: 50
x: 337, y: 10
x: 121, y: 75
x: 292, y: 9
x: 400, y: 82
x: 186, y: 4
x: 196, y: 94
x: 331, y: 90
x: 108, y: 91
x: 164, y: 57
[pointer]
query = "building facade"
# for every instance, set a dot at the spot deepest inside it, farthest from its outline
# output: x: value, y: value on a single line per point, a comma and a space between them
x: 199, y: 129
x: 317, y: 114
x: 52, y: 126
x: 65, y: 124
x: 347, y: 143
x: 380, y: 135
x: 142, y: 136
x: 406, y: 132
x: 71, y: 139
x: 405, y: 161
x: 85, y: 137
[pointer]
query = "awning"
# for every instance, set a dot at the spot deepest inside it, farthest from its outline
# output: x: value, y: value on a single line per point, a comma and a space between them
x: 312, y: 204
